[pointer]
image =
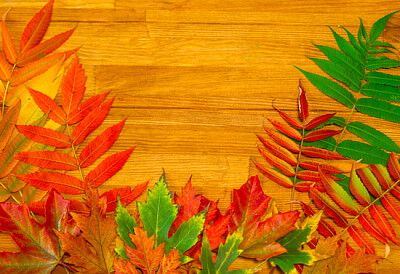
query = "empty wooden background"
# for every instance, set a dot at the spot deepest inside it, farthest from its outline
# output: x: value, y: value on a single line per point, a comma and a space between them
x: 196, y: 80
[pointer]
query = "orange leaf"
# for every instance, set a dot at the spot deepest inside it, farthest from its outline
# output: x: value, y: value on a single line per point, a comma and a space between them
x: 274, y: 175
x: 7, y: 124
x: 35, y: 68
x: 44, y: 48
x: 124, y: 267
x: 169, y: 264
x: 312, y: 165
x: 85, y: 108
x: 48, y: 159
x: 391, y: 206
x: 304, y: 186
x: 320, y: 134
x: 73, y: 86
x: 279, y: 151
x: 144, y: 256
x: 276, y: 162
x: 61, y: 182
x: 286, y: 130
x: 99, y: 145
x: 5, y: 70
x: 47, y: 105
x: 90, y: 122
x: 323, y: 227
x: 361, y: 240
x: 30, y: 194
x: 289, y: 118
x: 383, y: 223
x: 283, y: 140
x: 309, y: 175
x: 37, y: 27
x: 322, y: 153
x: 45, y: 136
x: 8, y: 44
x: 368, y: 224
x: 106, y: 169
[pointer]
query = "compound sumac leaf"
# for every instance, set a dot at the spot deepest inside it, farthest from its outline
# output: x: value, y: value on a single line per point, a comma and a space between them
x: 45, y: 136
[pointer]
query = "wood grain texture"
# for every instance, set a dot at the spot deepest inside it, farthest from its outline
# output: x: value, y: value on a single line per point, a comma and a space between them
x: 196, y: 80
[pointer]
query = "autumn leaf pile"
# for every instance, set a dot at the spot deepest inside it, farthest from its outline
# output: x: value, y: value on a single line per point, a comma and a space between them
x: 45, y: 154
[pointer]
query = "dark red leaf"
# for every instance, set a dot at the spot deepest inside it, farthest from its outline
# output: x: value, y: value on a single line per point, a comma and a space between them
x: 320, y: 134
x: 361, y: 240
x: 379, y: 216
x: 319, y: 120
x: 394, y: 167
x: 369, y: 225
x: 303, y: 104
x: 289, y: 118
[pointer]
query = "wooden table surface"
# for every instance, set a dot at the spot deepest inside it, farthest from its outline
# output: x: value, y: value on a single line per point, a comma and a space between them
x: 196, y: 80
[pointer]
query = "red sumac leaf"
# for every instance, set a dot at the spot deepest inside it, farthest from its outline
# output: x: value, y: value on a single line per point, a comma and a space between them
x: 5, y: 69
x: 323, y: 227
x: 361, y: 240
x: 320, y: 134
x: 61, y: 182
x: 304, y: 186
x: 286, y: 130
x: 312, y: 165
x: 73, y: 86
x: 368, y: 224
x: 276, y: 162
x: 100, y: 145
x: 391, y: 206
x: 38, y: 207
x: 303, y: 104
x: 45, y: 136
x: 90, y: 122
x: 279, y: 151
x: 7, y: 124
x: 319, y: 120
x: 322, y: 153
x: 37, y: 27
x: 379, y: 216
x: 283, y: 140
x: 8, y: 44
x: 309, y: 175
x: 85, y: 108
x: 393, y: 166
x: 107, y: 168
x: 47, y: 105
x: 48, y: 159
x: 274, y: 175
x: 289, y: 118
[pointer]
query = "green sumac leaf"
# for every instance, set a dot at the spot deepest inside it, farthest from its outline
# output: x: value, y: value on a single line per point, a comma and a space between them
x: 354, y: 42
x: 383, y: 92
x: 330, y: 88
x: 125, y: 223
x: 340, y: 58
x: 363, y: 32
x: 383, y: 78
x: 382, y: 44
x: 327, y: 143
x: 335, y: 120
x: 158, y: 213
x: 186, y: 235
x: 373, y: 136
x: 379, y: 25
x: 369, y: 154
x: 382, y: 63
x: 347, y: 48
x: 339, y: 72
x: 378, y: 108
x: 381, y: 50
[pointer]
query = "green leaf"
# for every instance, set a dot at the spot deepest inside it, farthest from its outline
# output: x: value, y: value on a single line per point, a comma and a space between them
x: 327, y: 143
x: 383, y: 92
x: 121, y: 251
x: 354, y: 42
x: 330, y: 88
x: 187, y: 234
x: 158, y: 213
x: 381, y: 50
x: 369, y: 154
x: 378, y: 108
x: 335, y: 120
x: 363, y: 32
x: 227, y: 253
x: 125, y: 223
x: 373, y: 136
x: 383, y: 62
x: 286, y: 261
x: 340, y: 58
x: 340, y: 73
x: 383, y: 78
x: 347, y: 48
x: 382, y: 44
x: 379, y: 25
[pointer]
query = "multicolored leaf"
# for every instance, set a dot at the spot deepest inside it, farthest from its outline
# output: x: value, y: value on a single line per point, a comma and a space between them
x: 274, y: 175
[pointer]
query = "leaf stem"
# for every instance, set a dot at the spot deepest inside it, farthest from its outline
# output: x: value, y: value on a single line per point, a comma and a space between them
x: 297, y: 169
x: 6, y: 90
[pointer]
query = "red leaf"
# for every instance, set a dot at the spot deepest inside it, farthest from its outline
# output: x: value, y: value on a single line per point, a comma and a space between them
x: 35, y: 68
x: 8, y: 44
x: 126, y: 194
x: 391, y: 206
x: 330, y: 208
x: 7, y: 124
x: 308, y: 175
x: 38, y: 207
x: 291, y: 132
x: 48, y: 159
x: 394, y: 167
x: 323, y: 226
x: 279, y: 151
x: 73, y: 86
x: 369, y: 225
x: 106, y: 169
x: 90, y: 122
x: 61, y: 182
x: 274, y: 175
x: 312, y: 165
x: 383, y: 223
x: 361, y: 240
x: 5, y: 70
x: 304, y: 186
x: 37, y: 27
x: 44, y: 48
x: 322, y: 153
x: 366, y: 177
x: 319, y: 120
x: 100, y: 145
x: 45, y: 136
x: 216, y: 233
x: 320, y: 134
x: 85, y: 108
x: 283, y: 140
x: 303, y: 104
x: 47, y: 105
x: 276, y: 162
x: 289, y: 119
